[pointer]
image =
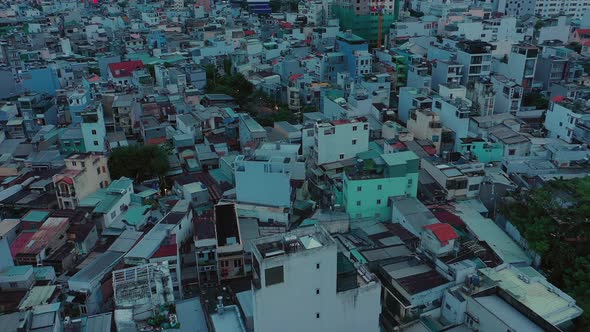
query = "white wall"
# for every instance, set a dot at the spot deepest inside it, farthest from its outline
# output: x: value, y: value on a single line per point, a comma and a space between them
x: 558, y: 120
x: 293, y: 304
x: 331, y: 146
x: 257, y: 184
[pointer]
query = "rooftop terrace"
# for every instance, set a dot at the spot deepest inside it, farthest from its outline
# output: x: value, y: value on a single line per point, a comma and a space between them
x: 299, y: 240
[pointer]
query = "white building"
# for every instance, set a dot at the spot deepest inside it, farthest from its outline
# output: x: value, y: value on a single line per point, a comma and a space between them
x: 454, y: 109
x: 412, y: 27
x: 411, y: 99
x: 296, y: 286
x: 275, y: 169
x: 544, y: 8
x: 508, y: 95
x: 340, y: 139
x: 563, y: 115
x: 555, y: 29
x: 476, y: 58
x: 520, y: 65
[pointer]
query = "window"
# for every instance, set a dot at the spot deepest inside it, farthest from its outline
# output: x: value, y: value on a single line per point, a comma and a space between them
x: 73, y: 163
x: 274, y: 275
x: 358, y: 203
x: 379, y: 187
x: 366, y: 127
x: 104, y: 169
x: 317, y: 266
x: 98, y: 170
x: 83, y: 309
x: 342, y: 156
x: 93, y: 131
x: 317, y: 315
x: 353, y: 142
x: 113, y: 214
x: 354, y: 128
x: 15, y: 285
x: 512, y: 152
x: 410, y: 181
x: 359, y: 188
x: 95, y: 143
x: 437, y: 104
x: 317, y: 291
x: 378, y: 202
x: 474, y: 187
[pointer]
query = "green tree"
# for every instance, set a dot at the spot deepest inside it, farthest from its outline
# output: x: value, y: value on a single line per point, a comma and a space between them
x: 151, y: 69
x: 94, y: 70
x: 139, y: 162
x: 575, y: 46
x: 535, y: 99
x: 227, y: 66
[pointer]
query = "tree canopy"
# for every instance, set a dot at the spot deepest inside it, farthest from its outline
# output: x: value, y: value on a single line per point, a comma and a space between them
x: 138, y: 162
x: 235, y: 85
x: 554, y: 219
x: 535, y: 99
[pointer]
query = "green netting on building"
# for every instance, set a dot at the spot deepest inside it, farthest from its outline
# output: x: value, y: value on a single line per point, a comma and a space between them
x: 365, y: 26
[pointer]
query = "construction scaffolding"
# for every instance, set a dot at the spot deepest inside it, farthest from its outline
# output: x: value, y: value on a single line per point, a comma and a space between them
x: 366, y: 26
x: 148, y: 284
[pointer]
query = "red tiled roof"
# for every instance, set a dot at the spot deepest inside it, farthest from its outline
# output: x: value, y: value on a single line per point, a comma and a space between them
x: 340, y: 122
x: 67, y: 180
x: 583, y: 31
x: 156, y: 140
x: 431, y: 150
x: 443, y: 232
x: 249, y: 32
x: 168, y: 248
x: 558, y: 99
x: 20, y: 242
x: 447, y: 217
x: 165, y: 251
x: 124, y: 69
x: 93, y: 78
x: 295, y: 77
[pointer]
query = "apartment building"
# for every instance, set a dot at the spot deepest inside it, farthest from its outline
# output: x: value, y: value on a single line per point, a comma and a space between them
x: 368, y: 186
x: 565, y: 116
x: 339, y: 140
x: 83, y: 175
x: 326, y: 290
x: 476, y: 58
x: 426, y: 124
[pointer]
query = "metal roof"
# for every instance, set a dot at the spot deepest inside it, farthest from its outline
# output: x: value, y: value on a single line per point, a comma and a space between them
x: 37, y: 296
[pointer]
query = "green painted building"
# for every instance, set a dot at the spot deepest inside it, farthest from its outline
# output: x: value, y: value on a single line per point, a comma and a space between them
x: 483, y: 151
x: 363, y: 19
x: 367, y: 186
x: 72, y: 141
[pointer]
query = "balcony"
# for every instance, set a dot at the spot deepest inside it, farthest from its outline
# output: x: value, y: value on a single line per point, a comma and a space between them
x: 67, y: 194
x: 435, y: 125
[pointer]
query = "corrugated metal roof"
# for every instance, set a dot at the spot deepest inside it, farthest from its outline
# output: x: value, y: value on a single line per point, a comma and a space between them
x: 37, y: 296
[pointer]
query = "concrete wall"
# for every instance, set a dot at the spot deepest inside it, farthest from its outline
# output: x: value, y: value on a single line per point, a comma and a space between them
x: 277, y: 186
x: 330, y: 146
x: 373, y: 202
